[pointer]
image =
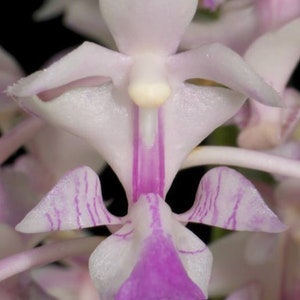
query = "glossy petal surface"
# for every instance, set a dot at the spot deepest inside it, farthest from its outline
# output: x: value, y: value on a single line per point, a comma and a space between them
x: 218, y: 63
x: 88, y: 60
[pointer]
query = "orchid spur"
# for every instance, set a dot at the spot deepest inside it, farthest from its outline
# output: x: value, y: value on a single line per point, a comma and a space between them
x: 144, y: 119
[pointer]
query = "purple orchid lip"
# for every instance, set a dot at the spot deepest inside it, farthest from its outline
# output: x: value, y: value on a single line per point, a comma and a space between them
x: 159, y: 274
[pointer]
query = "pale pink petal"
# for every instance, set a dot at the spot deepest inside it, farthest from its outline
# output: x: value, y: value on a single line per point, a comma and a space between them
x: 251, y: 291
x: 51, y: 9
x: 231, y: 270
x: 75, y: 202
x: 291, y: 115
x: 18, y: 136
x: 9, y: 73
x: 267, y: 127
x: 46, y: 254
x: 152, y: 26
x: 191, y: 115
x: 66, y: 152
x: 275, y: 13
x: 8, y: 64
x: 82, y: 16
x: 66, y: 283
x: 35, y: 292
x: 273, y: 63
x: 254, y: 17
x: 16, y: 196
x: 220, y: 30
x: 88, y: 60
x: 13, y: 242
x: 85, y: 17
x: 108, y: 128
x: 218, y: 63
x: 227, y: 199
x: 260, y: 247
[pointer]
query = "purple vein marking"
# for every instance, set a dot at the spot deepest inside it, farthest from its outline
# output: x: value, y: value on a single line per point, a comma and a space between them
x: 215, y: 210
x: 124, y: 235
x: 50, y: 221
x: 195, y: 207
x: 91, y: 214
x: 192, y: 252
x: 96, y: 197
x: 78, y: 213
x: 57, y: 214
x: 205, y: 205
x: 232, y: 218
x: 86, y: 185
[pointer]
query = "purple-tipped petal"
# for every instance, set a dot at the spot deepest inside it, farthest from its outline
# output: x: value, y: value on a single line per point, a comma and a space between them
x: 146, y: 26
x: 93, y: 114
x: 218, y: 63
x: 87, y: 61
x: 191, y: 115
x: 227, y: 199
x: 74, y: 203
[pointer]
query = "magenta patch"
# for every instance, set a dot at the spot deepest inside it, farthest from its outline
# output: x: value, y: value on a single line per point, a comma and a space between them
x: 159, y: 275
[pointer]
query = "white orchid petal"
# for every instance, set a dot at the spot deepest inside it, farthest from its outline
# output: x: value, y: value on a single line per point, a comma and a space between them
x: 155, y: 25
x: 88, y: 60
x: 218, y: 63
x: 74, y: 203
x: 227, y: 199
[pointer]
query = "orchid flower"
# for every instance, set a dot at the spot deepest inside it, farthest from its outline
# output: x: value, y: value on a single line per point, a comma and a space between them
x: 262, y: 266
x: 254, y: 17
x: 144, y: 119
x: 262, y: 126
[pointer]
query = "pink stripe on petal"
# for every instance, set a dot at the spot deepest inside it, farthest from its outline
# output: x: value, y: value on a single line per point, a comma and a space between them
x: 69, y: 205
x: 227, y: 199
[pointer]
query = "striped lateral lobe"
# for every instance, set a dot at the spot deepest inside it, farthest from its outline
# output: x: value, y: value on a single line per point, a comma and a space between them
x: 227, y: 199
x: 75, y: 202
